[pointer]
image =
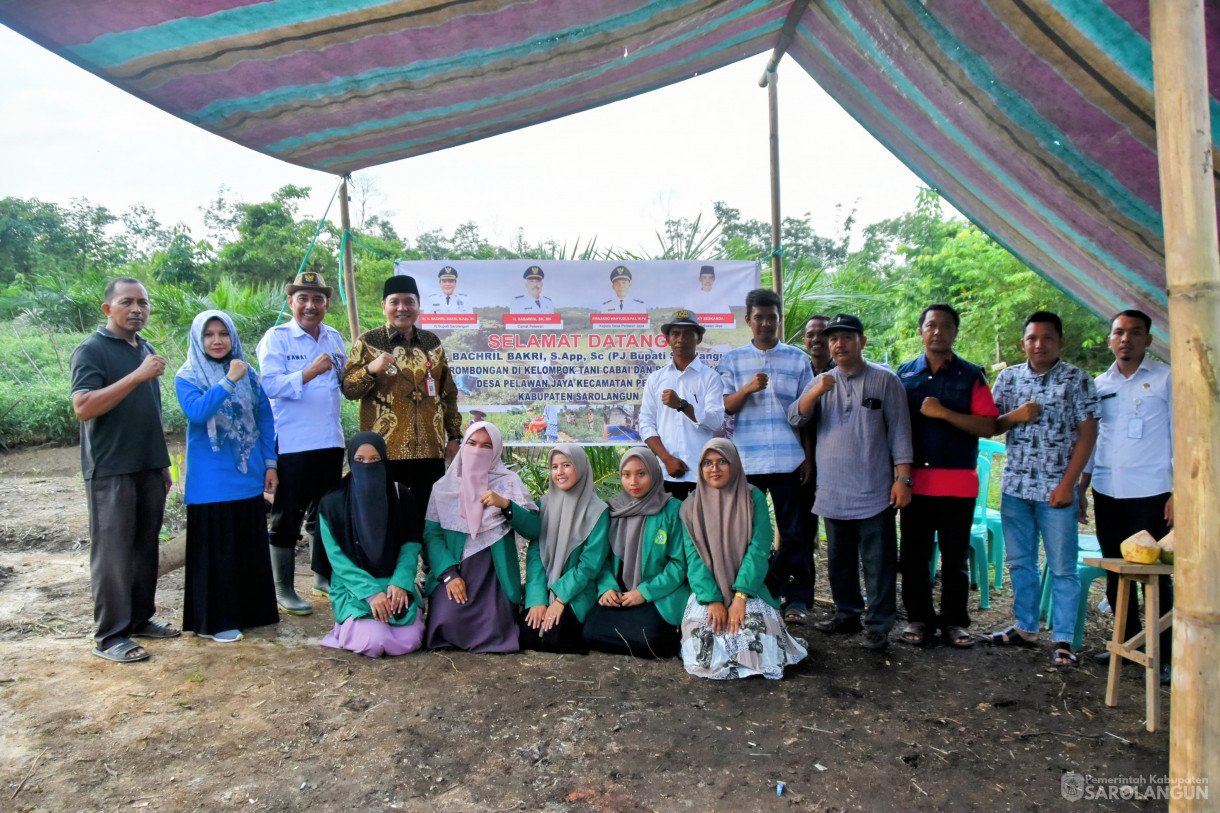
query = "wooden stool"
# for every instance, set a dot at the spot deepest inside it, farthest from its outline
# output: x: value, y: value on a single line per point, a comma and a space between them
x: 1149, y: 637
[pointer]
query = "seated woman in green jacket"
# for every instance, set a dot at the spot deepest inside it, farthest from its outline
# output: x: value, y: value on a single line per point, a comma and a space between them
x: 728, y: 544
x: 473, y: 551
x: 643, y: 582
x: 568, y: 544
x: 365, y: 522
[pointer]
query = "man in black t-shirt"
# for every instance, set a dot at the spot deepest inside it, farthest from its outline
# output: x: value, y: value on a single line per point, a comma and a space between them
x: 116, y: 395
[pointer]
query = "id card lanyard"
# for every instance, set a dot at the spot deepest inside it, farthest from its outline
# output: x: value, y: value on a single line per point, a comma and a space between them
x: 429, y: 381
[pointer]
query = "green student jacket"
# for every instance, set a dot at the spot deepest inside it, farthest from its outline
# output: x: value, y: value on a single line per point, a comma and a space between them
x: 753, y: 568
x: 663, y: 567
x: 350, y: 586
x: 444, y: 549
x: 577, y: 587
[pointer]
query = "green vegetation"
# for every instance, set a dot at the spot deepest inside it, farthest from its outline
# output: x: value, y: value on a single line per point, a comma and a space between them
x: 55, y: 261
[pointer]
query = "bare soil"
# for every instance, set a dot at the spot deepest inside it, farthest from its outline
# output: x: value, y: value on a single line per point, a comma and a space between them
x: 276, y: 722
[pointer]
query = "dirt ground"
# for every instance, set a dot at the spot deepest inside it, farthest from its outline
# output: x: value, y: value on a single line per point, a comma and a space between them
x: 276, y: 722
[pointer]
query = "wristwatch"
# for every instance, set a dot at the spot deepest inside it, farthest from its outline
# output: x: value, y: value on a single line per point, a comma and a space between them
x: 683, y: 404
x: 741, y: 596
x: 906, y: 481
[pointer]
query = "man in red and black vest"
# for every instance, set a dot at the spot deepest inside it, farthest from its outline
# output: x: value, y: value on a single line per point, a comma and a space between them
x: 951, y: 408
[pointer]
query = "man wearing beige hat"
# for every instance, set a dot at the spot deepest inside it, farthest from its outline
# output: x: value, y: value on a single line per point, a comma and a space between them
x: 300, y: 362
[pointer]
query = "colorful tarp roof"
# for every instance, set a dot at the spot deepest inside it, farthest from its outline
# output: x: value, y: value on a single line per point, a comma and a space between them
x: 1034, y: 117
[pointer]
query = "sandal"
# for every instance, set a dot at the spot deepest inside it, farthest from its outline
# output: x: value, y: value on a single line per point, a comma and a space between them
x: 1010, y: 637
x: 121, y: 651
x: 958, y: 637
x: 156, y: 629
x: 1061, y: 654
x: 915, y: 634
x: 796, y: 615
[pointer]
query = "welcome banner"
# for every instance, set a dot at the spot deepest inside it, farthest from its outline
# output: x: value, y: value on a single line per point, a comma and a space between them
x: 554, y: 351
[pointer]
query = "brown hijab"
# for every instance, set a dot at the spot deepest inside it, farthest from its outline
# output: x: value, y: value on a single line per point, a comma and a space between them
x: 721, y: 520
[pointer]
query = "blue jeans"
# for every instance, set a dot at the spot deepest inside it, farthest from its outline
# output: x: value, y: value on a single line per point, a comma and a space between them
x: 1023, y: 521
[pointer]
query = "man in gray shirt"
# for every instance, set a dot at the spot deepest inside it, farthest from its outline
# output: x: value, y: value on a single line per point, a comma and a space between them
x: 864, y: 464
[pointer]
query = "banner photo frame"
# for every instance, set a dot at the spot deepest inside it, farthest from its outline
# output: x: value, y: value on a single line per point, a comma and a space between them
x: 558, y: 350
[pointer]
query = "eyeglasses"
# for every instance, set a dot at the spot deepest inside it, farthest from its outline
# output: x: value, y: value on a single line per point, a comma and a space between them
x: 718, y: 463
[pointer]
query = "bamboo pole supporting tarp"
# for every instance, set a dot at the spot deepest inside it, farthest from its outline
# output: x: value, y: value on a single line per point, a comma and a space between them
x: 349, y: 265
x: 769, y: 80
x: 777, y: 258
x: 1192, y: 269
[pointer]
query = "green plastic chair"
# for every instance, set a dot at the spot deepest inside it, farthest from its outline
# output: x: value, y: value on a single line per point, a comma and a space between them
x: 991, y: 449
x: 978, y: 539
x: 1088, y: 548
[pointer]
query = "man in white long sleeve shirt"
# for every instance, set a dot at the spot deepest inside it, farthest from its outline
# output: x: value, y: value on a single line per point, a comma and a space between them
x: 682, y: 407
x: 300, y: 362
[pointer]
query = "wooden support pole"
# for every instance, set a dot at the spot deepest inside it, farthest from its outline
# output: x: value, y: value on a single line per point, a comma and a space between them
x: 1192, y: 270
x: 349, y: 263
x: 777, y: 259
x: 769, y: 80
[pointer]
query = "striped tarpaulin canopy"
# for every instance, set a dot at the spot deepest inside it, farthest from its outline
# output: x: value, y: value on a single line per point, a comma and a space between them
x: 1033, y: 117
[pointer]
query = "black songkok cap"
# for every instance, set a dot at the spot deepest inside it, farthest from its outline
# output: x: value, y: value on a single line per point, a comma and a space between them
x: 399, y: 284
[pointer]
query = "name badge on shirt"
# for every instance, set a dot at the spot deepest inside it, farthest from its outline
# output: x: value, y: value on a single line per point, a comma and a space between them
x: 1135, y: 428
x: 430, y: 386
x: 661, y: 538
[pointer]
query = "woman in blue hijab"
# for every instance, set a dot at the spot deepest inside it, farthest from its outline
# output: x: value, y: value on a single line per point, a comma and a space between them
x: 230, y: 462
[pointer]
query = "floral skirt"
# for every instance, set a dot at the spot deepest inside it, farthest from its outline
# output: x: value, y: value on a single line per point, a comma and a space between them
x: 761, y: 647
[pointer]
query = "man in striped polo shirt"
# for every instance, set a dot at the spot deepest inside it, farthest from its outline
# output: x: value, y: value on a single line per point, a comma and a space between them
x: 761, y: 380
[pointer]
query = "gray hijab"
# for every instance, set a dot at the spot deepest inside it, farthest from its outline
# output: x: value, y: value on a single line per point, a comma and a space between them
x: 568, y: 516
x: 628, y: 515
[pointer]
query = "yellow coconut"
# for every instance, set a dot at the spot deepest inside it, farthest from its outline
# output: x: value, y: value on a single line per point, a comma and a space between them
x: 1141, y: 548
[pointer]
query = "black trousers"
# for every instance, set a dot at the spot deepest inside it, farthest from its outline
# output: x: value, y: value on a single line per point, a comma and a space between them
x: 809, y: 531
x: 791, y: 572
x: 926, y: 521
x: 304, y: 478
x: 125, y: 515
x: 873, y: 543
x: 680, y: 491
x: 1116, y: 520
x: 418, y: 476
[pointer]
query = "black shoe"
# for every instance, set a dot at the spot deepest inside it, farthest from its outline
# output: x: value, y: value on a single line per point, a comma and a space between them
x: 838, y: 623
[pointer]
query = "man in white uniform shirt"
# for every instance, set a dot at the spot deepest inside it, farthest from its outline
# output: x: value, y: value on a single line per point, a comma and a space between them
x: 682, y: 407
x: 300, y: 363
x: 1132, y: 466
x: 532, y: 301
x: 448, y: 301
